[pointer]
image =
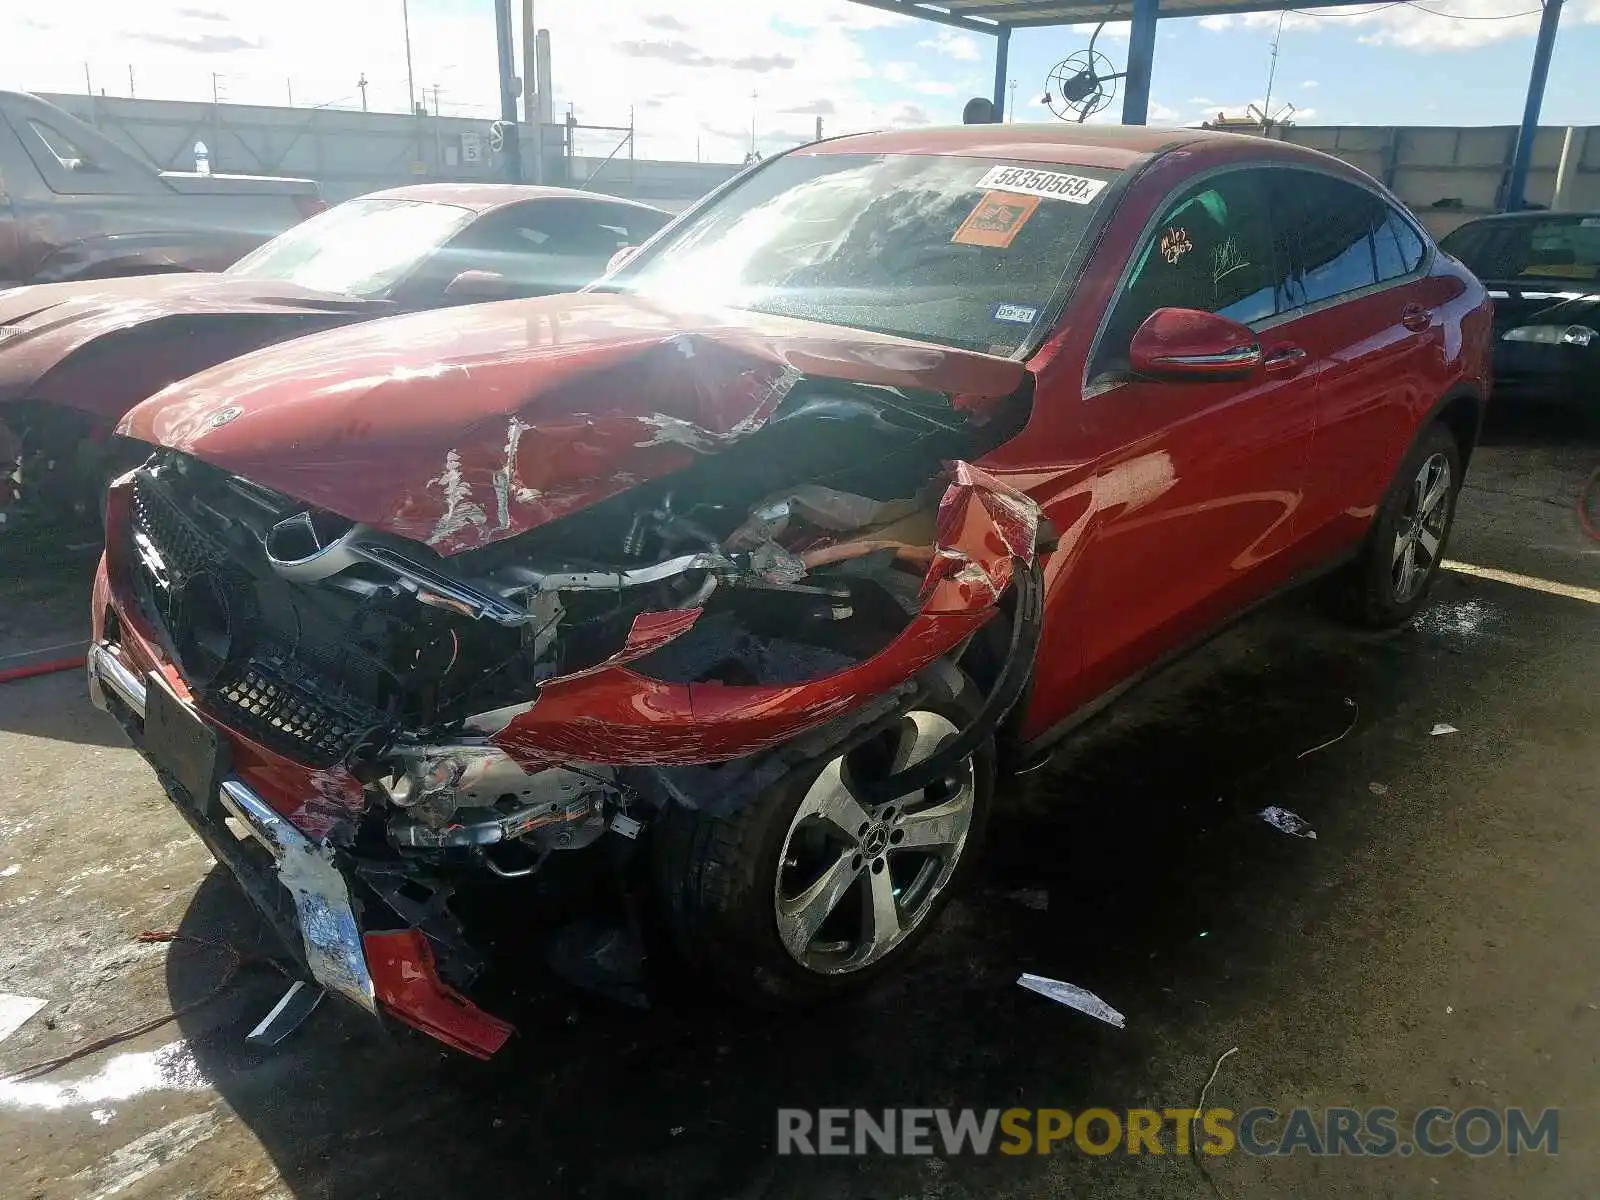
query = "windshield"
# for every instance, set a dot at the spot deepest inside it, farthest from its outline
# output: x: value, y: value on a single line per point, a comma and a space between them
x: 360, y: 248
x: 961, y: 251
x: 1547, y: 248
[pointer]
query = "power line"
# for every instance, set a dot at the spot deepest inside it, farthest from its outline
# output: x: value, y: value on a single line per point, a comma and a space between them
x: 1433, y: 12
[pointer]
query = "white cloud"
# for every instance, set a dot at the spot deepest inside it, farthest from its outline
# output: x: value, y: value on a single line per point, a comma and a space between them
x: 934, y: 87
x: 951, y: 44
x: 686, y: 70
x: 1309, y: 84
x: 1159, y: 114
x: 1202, y: 101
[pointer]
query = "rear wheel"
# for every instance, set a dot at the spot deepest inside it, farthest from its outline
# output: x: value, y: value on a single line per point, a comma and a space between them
x: 1390, y: 581
x: 813, y: 890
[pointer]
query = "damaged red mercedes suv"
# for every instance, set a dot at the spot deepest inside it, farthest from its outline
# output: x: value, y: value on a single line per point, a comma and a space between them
x: 753, y: 566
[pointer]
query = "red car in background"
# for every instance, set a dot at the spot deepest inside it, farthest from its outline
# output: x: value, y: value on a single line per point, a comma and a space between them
x: 76, y: 356
x: 747, y: 571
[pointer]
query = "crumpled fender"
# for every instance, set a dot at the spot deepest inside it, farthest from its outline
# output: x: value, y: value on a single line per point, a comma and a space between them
x: 612, y: 714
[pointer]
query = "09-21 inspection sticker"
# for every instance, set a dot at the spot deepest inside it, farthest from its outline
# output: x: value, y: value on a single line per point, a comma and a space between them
x: 1051, y: 185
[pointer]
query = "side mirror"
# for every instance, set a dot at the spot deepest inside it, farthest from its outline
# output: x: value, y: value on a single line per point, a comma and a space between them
x: 1187, y: 344
x: 620, y: 257
x: 479, y: 285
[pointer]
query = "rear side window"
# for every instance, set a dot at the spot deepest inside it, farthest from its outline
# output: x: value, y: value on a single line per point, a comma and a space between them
x: 552, y: 245
x: 1214, y: 249
x: 1348, y: 238
x: 1397, y: 247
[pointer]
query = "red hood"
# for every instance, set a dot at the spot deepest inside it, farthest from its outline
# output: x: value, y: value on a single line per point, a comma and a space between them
x: 43, y: 326
x: 464, y: 426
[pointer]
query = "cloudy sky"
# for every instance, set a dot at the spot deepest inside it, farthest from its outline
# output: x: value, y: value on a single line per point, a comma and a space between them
x: 696, y: 72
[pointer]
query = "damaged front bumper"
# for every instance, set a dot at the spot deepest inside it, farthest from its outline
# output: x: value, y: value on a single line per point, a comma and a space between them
x: 300, y: 887
x: 599, y: 747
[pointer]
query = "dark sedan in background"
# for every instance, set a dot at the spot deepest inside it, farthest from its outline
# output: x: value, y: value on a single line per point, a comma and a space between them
x: 1543, y: 273
x: 75, y: 356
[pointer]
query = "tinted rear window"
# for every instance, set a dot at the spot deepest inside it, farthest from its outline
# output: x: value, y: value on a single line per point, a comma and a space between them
x: 1557, y: 247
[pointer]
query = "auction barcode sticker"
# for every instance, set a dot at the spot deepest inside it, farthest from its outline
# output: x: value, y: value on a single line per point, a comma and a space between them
x: 1052, y: 185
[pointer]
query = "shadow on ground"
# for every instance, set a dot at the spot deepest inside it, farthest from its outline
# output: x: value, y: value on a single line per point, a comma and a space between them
x: 1168, y: 896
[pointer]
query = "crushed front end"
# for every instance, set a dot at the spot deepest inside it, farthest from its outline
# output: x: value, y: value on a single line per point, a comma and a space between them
x: 361, y: 726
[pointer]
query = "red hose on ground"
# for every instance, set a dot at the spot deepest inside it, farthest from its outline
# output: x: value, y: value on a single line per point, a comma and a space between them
x: 1585, y: 494
x: 45, y: 668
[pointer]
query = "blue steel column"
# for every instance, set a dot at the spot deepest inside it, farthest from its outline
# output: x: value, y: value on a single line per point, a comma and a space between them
x: 1002, y: 51
x: 1520, y: 159
x: 1141, y: 54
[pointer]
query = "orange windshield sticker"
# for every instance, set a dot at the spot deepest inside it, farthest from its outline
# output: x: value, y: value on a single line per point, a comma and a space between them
x: 996, y: 221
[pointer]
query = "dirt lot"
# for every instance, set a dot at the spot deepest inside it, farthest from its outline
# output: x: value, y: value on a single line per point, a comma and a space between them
x: 1435, y: 944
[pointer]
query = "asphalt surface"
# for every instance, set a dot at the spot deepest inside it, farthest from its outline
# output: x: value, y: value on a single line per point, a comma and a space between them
x: 1435, y: 944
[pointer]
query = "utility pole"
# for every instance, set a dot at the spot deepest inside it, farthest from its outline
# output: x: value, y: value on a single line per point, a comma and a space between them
x: 88, y: 85
x: 1011, y: 102
x: 819, y: 128
x: 131, y: 96
x: 1272, y: 74
x: 505, y: 44
x: 362, y: 84
x: 411, y: 79
x: 215, y: 89
x: 438, y: 139
x: 754, y: 96
x: 531, y: 83
x: 288, y: 83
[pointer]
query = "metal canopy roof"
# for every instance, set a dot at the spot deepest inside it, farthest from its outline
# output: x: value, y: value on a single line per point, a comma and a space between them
x: 991, y: 16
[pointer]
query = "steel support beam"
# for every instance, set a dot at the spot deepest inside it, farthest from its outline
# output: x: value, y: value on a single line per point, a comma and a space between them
x: 509, y: 92
x: 939, y: 17
x: 1002, y: 52
x: 1141, y: 56
x: 1517, y: 184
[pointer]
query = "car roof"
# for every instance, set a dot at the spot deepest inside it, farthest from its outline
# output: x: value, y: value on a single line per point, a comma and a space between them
x: 481, y: 197
x: 1114, y: 147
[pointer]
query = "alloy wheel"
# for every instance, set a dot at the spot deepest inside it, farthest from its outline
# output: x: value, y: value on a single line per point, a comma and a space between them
x: 856, y: 879
x: 1419, y: 537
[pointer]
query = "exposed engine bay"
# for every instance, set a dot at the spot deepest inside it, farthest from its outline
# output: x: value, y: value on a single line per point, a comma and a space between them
x: 798, y: 554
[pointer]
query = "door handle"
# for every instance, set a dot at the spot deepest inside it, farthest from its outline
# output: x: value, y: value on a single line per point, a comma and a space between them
x: 1284, y: 359
x: 1415, y: 318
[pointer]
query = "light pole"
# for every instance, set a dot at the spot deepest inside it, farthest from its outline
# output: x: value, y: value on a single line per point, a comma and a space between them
x: 411, y: 82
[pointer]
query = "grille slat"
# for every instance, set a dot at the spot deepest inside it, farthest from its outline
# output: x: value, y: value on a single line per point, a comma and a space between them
x: 267, y: 692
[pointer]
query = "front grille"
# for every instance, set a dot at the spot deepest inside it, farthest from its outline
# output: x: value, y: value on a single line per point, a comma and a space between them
x: 265, y: 689
x: 274, y: 702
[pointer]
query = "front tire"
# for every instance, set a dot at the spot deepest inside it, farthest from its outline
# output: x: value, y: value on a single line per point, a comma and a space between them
x: 808, y: 892
x: 1389, y: 583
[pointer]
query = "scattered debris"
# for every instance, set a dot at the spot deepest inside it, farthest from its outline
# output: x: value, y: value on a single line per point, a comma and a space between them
x: 1073, y: 997
x: 1285, y: 821
x: 1355, y: 715
x: 1378, y: 789
x: 10, y: 871
x: 1037, y: 899
x: 1448, y: 1009
x: 15, y: 1012
x: 677, y: 1129
x: 1441, y: 729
